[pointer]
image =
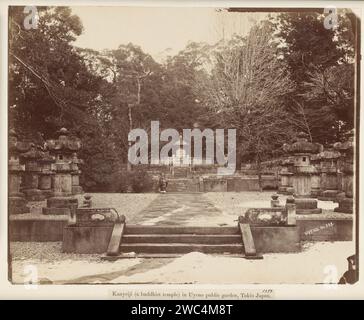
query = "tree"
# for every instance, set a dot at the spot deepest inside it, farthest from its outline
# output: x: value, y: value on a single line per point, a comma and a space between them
x: 246, y: 90
x: 320, y: 61
x: 49, y: 84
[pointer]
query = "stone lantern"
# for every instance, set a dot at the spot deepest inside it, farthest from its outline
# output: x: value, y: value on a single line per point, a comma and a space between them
x: 46, y: 174
x: 285, y: 175
x: 346, y: 171
x: 17, y: 202
x: 62, y: 149
x: 302, y: 150
x: 329, y: 177
x: 30, y: 185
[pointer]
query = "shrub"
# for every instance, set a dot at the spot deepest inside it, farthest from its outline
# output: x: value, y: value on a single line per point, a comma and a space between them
x: 137, y: 181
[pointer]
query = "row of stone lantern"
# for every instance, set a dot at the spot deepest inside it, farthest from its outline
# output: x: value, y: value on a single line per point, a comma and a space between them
x: 38, y: 173
x: 311, y: 172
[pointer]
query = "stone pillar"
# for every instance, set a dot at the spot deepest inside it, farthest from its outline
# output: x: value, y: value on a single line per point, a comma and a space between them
x: 302, y: 150
x: 346, y: 168
x: 274, y: 203
x: 62, y: 149
x: 17, y: 202
x: 76, y: 188
x: 87, y: 202
x: 32, y: 173
x: 329, y: 177
x: 46, y: 175
x: 285, y: 175
x: 291, y: 211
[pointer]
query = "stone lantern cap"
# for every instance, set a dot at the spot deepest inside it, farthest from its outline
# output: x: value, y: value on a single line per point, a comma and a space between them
x: 64, y: 144
x: 329, y: 154
x: 348, y: 145
x: 15, y: 146
x: 33, y: 154
x: 302, y: 145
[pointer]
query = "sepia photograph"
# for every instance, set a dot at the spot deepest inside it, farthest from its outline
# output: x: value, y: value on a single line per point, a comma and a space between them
x: 182, y: 145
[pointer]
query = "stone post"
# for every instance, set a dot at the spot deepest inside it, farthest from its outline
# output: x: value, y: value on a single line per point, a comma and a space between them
x: 329, y: 177
x: 32, y: 173
x: 291, y: 211
x: 17, y: 202
x: 346, y: 168
x: 302, y: 150
x: 275, y: 201
x: 62, y: 149
x: 87, y: 202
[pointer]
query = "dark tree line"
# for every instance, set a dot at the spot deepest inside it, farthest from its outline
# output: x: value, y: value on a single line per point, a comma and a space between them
x: 289, y: 74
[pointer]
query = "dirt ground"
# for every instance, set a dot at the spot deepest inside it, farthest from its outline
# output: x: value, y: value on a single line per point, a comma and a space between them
x: 309, y: 266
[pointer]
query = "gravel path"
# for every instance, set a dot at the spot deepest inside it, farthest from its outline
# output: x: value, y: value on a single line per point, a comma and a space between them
x: 45, y: 251
x: 236, y: 203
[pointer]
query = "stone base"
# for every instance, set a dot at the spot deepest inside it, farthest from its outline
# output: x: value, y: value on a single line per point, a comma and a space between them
x: 345, y: 205
x: 321, y: 228
x: 48, y: 193
x: 315, y: 193
x: 307, y: 206
x: 56, y: 211
x: 17, y: 205
x: 309, y: 211
x: 77, y: 190
x: 281, y: 190
x: 34, y: 195
x: 23, y: 228
x: 91, y: 239
x: 59, y: 205
x: 61, y: 202
x: 285, y: 190
x: 328, y: 195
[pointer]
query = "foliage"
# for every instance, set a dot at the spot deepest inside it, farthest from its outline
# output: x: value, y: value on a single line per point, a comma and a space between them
x: 246, y: 90
x: 320, y: 62
x: 288, y: 74
x: 138, y: 180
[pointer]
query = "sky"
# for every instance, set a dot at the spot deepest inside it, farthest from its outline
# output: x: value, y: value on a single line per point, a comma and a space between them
x: 158, y: 29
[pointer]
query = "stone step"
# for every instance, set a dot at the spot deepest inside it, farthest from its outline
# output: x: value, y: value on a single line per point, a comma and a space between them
x: 138, y: 229
x: 182, y: 238
x: 181, y: 248
x: 166, y: 256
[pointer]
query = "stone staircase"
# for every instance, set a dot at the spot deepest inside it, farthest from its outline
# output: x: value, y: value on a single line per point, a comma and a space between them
x: 173, y: 241
x: 181, y: 172
x: 182, y: 185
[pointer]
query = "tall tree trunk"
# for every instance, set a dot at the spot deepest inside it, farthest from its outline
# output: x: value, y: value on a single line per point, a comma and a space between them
x: 238, y: 153
x: 259, y: 168
x: 128, y: 165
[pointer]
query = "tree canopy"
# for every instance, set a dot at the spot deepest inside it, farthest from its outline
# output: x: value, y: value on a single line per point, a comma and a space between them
x: 287, y: 74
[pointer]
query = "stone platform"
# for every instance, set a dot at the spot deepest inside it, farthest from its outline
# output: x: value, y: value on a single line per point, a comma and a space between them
x: 183, y: 210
